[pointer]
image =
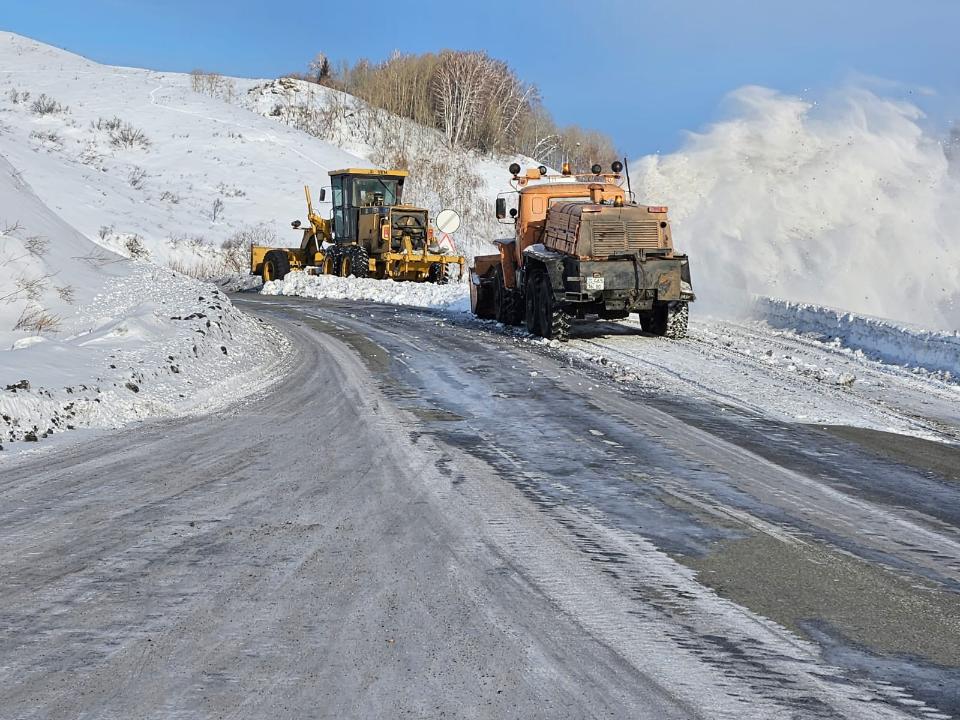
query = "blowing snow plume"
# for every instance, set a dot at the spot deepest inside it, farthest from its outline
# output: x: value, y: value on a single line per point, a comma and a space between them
x: 850, y: 204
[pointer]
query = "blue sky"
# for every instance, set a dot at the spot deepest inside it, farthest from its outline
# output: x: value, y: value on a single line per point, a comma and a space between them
x: 641, y: 71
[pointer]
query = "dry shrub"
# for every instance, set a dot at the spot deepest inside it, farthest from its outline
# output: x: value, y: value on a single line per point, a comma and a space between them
x: 213, y: 84
x: 136, y: 249
x: 236, y: 248
x: 37, y: 320
x: 127, y: 136
x: 46, y: 105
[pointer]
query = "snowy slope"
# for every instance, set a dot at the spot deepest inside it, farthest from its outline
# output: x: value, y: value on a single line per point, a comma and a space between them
x: 90, y: 339
x: 198, y: 151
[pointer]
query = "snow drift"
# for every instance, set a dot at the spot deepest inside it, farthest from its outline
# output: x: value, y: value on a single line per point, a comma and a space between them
x: 877, y: 338
x: 452, y: 297
x: 848, y: 203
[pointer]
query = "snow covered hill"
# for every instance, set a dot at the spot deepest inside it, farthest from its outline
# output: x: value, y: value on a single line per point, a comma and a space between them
x: 142, y: 163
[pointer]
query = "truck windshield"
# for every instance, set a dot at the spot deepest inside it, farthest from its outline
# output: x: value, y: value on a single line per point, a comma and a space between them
x: 374, y: 191
x: 554, y: 200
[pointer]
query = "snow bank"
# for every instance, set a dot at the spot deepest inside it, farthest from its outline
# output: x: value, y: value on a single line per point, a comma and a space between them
x: 878, y: 339
x: 454, y: 297
x: 90, y: 339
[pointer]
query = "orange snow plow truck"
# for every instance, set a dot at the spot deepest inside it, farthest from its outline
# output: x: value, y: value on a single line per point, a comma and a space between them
x: 581, y: 246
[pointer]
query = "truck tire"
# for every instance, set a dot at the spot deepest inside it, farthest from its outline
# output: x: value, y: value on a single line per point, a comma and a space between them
x: 439, y: 273
x: 531, y: 314
x: 678, y: 318
x: 668, y: 319
x: 276, y: 266
x: 506, y: 301
x: 554, y: 321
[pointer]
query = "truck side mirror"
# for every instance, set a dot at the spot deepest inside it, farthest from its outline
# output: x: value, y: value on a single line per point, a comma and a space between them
x: 323, y: 194
x: 501, y: 208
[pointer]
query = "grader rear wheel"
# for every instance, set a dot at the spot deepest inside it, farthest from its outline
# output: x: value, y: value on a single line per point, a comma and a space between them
x: 275, y: 266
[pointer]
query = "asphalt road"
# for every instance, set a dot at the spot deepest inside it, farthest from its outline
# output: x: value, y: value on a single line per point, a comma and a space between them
x: 432, y: 519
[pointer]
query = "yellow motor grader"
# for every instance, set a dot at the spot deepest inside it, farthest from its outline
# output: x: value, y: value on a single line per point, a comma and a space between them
x: 370, y: 233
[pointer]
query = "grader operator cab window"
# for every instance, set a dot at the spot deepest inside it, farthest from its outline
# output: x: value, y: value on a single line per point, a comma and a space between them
x: 373, y: 191
x: 361, y: 195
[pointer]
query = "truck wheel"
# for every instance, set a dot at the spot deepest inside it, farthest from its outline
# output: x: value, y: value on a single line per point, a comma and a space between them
x: 276, y: 265
x: 554, y: 321
x: 506, y: 307
x: 678, y: 317
x: 439, y: 273
x: 531, y: 315
x: 668, y: 319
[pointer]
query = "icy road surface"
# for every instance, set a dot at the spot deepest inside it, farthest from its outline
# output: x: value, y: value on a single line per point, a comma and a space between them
x: 434, y: 518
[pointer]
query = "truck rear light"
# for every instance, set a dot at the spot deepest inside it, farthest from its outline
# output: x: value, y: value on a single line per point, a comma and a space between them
x: 657, y: 208
x: 385, y: 231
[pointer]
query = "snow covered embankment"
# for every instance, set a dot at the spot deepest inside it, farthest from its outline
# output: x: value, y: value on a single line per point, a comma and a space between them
x: 878, y: 339
x: 90, y: 339
x: 453, y: 297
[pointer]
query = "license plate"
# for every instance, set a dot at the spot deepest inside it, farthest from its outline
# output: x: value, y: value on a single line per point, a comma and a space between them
x: 594, y: 283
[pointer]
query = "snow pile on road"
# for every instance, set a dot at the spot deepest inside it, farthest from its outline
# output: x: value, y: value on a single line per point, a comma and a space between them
x: 876, y: 338
x: 90, y: 339
x: 453, y: 297
x: 847, y: 202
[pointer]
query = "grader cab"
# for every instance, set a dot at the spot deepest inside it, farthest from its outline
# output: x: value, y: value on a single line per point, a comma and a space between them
x: 370, y: 233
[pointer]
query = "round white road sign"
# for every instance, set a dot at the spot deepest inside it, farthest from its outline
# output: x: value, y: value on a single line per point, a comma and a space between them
x: 448, y: 221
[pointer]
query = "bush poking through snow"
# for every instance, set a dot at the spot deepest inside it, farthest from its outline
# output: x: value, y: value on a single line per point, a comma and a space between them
x: 47, y: 137
x: 36, y: 245
x: 170, y: 197
x: 46, y: 105
x: 217, y: 209
x: 67, y: 293
x: 213, y: 84
x: 127, y: 136
x: 17, y: 97
x: 136, y: 249
x: 107, y: 124
x: 236, y: 256
x: 37, y: 320
x: 137, y: 177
